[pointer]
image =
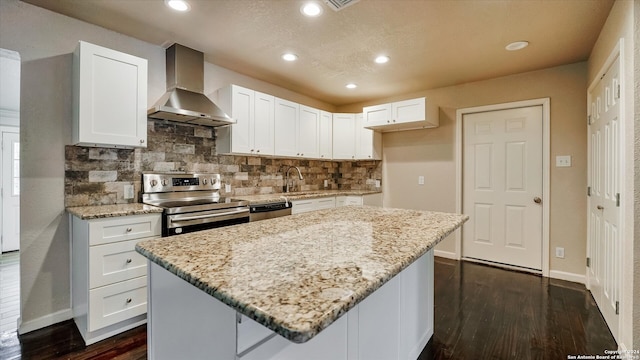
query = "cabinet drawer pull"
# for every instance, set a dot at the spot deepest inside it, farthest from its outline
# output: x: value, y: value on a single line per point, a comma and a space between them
x: 129, y: 230
x: 128, y: 300
x: 128, y: 261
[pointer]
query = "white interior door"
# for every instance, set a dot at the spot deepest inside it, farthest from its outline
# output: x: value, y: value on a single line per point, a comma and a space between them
x: 604, y: 244
x: 10, y: 191
x: 502, y: 186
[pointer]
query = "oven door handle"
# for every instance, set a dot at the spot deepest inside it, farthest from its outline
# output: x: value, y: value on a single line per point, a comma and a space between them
x: 197, y: 217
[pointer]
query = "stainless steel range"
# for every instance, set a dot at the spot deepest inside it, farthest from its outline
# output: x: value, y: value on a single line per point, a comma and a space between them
x: 191, y: 202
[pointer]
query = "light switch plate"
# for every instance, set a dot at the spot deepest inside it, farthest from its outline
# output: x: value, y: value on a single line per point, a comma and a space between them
x: 420, y: 180
x: 563, y: 161
x: 326, y: 183
x: 227, y: 188
x: 377, y: 183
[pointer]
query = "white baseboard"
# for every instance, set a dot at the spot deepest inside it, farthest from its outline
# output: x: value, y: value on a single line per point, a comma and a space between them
x: 44, y: 321
x: 445, y: 254
x: 578, y: 278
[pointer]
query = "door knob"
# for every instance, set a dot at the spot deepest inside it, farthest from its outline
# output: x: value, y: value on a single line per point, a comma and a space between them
x: 600, y: 207
x: 537, y: 200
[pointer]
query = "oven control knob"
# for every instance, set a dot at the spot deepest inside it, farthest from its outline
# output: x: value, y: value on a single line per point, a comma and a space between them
x: 164, y: 182
x: 154, y: 182
x: 213, y: 181
x: 204, y: 181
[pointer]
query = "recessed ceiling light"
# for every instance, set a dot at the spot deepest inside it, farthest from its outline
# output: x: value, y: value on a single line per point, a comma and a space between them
x: 311, y: 9
x: 351, y: 86
x: 178, y: 5
x: 517, y: 45
x: 382, y: 59
x: 289, y: 57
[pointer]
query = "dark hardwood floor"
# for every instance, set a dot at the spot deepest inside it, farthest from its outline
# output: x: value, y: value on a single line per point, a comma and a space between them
x: 481, y: 312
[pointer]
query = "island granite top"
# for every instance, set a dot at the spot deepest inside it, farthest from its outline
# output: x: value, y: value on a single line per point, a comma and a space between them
x: 106, y: 211
x: 297, y: 274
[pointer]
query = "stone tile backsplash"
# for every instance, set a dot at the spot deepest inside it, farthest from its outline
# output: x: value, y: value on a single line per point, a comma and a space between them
x: 97, y: 176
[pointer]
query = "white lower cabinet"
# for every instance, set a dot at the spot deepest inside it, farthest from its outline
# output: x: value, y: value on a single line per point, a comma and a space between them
x: 330, y: 202
x: 117, y: 302
x: 109, y: 282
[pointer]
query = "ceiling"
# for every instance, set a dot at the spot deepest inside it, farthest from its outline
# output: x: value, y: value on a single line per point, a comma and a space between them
x: 431, y: 43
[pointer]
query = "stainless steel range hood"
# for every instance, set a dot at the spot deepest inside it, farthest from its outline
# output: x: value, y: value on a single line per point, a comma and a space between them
x: 184, y: 100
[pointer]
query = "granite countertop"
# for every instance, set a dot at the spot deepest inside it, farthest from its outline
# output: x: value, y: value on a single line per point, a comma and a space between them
x: 267, y: 198
x: 297, y: 274
x: 106, y: 211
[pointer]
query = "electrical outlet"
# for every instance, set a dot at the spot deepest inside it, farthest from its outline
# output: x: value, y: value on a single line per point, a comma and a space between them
x: 420, y: 180
x: 326, y: 183
x: 128, y: 191
x: 560, y: 252
x: 227, y: 188
x: 563, y: 161
x: 377, y: 183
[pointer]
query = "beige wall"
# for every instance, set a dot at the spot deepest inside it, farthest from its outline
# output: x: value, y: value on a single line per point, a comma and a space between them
x: 620, y: 25
x: 431, y: 152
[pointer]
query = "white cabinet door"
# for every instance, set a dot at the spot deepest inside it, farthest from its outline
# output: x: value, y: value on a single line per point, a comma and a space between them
x: 242, y: 110
x: 368, y: 142
x: 416, y: 306
x: 408, y: 110
x: 308, y: 132
x: 110, y: 98
x: 286, y: 128
x: 326, y: 135
x: 379, y: 323
x: 263, y: 124
x: 344, y: 144
x: 377, y: 114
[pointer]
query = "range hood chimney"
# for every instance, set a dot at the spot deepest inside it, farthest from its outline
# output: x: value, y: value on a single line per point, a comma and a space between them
x: 184, y: 100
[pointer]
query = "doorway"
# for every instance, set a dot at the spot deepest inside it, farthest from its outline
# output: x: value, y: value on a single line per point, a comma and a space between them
x: 503, y: 184
x: 605, y: 174
x: 10, y: 190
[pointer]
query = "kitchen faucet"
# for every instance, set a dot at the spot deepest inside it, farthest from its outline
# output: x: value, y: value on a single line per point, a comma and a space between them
x: 285, y: 188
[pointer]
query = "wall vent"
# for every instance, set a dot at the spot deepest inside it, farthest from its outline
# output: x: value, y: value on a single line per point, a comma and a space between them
x: 338, y: 5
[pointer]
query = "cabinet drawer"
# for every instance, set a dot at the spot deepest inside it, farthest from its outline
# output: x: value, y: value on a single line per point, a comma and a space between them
x: 103, y: 231
x: 111, y: 304
x: 302, y: 206
x: 326, y: 203
x: 111, y: 263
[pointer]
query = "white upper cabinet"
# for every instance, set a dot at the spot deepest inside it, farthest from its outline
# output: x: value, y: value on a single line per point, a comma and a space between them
x: 309, y: 132
x: 368, y: 142
x: 377, y: 115
x: 344, y: 137
x: 401, y: 115
x: 109, y: 98
x: 254, y: 114
x: 326, y: 135
x: 286, y: 128
x: 264, y: 123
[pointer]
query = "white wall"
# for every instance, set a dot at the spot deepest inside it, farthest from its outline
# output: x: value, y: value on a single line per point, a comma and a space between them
x: 45, y: 41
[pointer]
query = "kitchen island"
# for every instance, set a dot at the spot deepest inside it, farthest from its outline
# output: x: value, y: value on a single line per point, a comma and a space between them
x: 344, y: 283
